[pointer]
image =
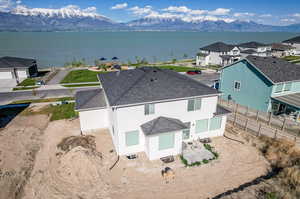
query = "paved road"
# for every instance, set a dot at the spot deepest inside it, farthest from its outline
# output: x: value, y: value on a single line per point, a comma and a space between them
x: 58, y: 77
x: 8, y: 97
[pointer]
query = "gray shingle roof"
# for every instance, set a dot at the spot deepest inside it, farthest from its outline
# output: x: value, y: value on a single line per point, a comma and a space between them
x: 221, y: 111
x: 275, y: 69
x: 249, y: 51
x: 293, y: 40
x: 149, y: 84
x: 16, y: 62
x: 218, y: 47
x: 281, y: 47
x: 162, y: 125
x: 291, y: 99
x: 252, y: 44
x: 90, y: 99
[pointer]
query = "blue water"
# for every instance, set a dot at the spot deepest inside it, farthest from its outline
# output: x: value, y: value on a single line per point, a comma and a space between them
x: 57, y: 48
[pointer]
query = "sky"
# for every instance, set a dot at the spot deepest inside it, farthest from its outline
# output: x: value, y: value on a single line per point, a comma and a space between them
x: 273, y: 12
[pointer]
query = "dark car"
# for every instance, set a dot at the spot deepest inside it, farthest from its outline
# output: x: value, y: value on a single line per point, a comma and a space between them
x: 194, y: 72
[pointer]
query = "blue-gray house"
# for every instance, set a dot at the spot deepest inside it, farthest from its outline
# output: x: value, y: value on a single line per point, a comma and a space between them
x: 266, y: 84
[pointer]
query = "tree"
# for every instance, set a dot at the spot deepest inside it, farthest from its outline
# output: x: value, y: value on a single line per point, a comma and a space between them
x: 185, y: 56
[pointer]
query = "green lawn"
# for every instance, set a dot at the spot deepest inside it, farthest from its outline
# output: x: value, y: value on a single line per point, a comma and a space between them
x: 64, y: 111
x: 77, y: 76
x: 59, y: 112
x: 43, y: 100
x: 24, y: 88
x: 28, y: 82
x: 291, y: 58
x: 81, y: 85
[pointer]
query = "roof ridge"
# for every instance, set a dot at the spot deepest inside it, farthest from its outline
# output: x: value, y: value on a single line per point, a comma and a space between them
x: 172, y: 120
x: 132, y: 85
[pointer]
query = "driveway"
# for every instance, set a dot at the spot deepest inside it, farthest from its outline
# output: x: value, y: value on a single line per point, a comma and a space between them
x: 58, y: 77
x: 7, y: 85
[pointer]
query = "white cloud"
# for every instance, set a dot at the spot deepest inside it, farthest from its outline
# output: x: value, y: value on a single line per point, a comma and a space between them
x: 18, y: 2
x: 179, y: 9
x: 296, y: 15
x: 184, y: 9
x: 288, y: 20
x: 220, y: 11
x: 243, y: 14
x: 265, y: 15
x: 119, y: 6
x: 6, y: 5
x: 141, y: 11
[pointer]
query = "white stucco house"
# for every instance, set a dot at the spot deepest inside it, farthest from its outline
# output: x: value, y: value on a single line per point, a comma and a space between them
x: 217, y: 53
x: 17, y: 68
x: 256, y: 49
x: 151, y: 110
x: 294, y: 42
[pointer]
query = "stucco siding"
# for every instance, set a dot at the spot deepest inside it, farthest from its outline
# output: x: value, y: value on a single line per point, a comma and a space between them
x: 255, y: 89
x: 93, y: 119
x: 131, y: 118
x: 155, y: 153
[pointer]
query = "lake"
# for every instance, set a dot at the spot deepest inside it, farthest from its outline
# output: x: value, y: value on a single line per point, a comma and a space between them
x: 57, y: 48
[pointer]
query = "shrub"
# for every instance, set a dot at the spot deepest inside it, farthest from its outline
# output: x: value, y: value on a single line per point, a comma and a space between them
x: 205, y: 161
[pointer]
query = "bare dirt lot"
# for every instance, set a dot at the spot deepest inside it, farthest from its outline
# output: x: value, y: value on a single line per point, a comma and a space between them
x: 19, y: 143
x: 84, y: 174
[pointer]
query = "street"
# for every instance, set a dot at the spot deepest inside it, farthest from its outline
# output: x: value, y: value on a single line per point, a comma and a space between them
x: 8, y: 97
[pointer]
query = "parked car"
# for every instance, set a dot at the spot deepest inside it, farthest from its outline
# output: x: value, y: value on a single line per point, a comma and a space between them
x: 194, y: 72
x: 40, y: 83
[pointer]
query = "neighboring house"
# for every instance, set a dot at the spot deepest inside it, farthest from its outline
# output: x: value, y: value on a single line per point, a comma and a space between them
x: 17, y: 68
x: 217, y: 53
x: 282, y: 50
x: 255, y: 48
x: 266, y: 84
x: 295, y: 42
x: 151, y: 110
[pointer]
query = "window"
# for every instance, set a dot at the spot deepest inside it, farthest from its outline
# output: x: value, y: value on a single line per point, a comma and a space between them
x: 186, y: 132
x: 132, y: 138
x: 194, y: 104
x: 215, y: 123
x: 149, y: 109
x: 166, y: 141
x: 287, y: 86
x: 237, y: 85
x: 201, y: 126
x: 278, y: 88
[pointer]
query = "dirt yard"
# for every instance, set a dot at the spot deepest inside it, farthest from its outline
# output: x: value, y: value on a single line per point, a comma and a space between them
x: 81, y: 173
x: 19, y: 143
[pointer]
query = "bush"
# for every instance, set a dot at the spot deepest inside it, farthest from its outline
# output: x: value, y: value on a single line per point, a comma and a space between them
x: 205, y: 161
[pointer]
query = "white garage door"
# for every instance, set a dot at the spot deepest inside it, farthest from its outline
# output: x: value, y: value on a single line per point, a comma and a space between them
x: 5, y: 75
x: 22, y: 74
x: 93, y: 119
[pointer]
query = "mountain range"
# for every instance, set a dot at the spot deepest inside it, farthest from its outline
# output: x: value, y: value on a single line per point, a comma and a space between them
x: 71, y: 21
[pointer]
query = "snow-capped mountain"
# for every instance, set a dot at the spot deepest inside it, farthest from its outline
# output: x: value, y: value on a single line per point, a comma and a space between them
x: 69, y: 18
x: 70, y: 11
x: 72, y: 18
x: 202, y: 24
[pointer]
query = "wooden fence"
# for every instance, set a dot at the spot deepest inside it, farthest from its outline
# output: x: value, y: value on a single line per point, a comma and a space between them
x: 282, y: 124
x: 257, y: 127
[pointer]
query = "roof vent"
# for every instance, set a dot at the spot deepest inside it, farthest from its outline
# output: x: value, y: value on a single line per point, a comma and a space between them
x: 154, y: 71
x: 153, y: 79
x: 274, y: 62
